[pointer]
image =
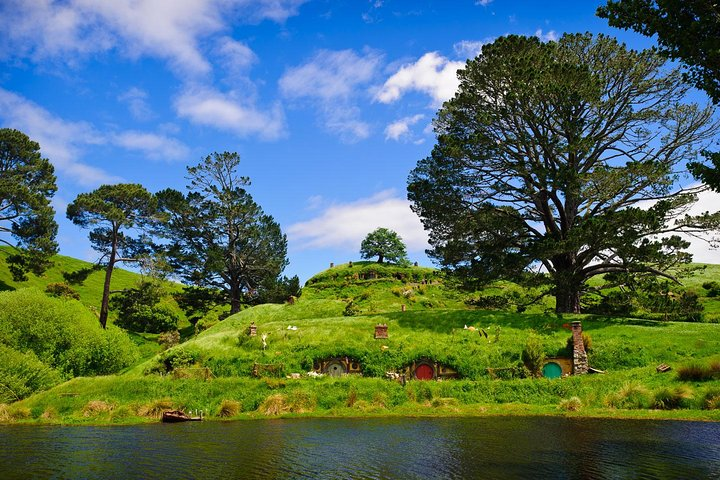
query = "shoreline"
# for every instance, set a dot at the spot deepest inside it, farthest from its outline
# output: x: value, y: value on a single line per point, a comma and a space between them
x: 420, y: 412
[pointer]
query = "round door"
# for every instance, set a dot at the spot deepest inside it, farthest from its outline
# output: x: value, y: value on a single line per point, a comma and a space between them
x: 552, y: 370
x: 335, y: 369
x: 424, y: 372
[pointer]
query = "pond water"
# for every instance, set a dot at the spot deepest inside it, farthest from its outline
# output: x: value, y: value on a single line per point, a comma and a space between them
x: 402, y: 448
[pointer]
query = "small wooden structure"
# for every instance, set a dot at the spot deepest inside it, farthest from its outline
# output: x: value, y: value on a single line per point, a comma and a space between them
x: 662, y: 368
x: 252, y: 330
x: 381, y: 331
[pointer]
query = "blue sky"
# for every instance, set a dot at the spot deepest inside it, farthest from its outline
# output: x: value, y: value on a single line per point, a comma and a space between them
x: 329, y: 103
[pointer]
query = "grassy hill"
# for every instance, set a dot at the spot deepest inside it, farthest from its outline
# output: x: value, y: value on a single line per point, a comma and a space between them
x: 426, y: 318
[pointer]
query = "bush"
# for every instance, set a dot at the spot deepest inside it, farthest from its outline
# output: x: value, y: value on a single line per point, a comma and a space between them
x: 711, y: 400
x: 139, y: 309
x: 697, y: 372
x: 630, y: 396
x: 229, y: 408
x: 672, y: 398
x: 533, y: 356
x: 572, y: 404
x: 169, y: 339
x: 713, y: 288
x: 22, y: 374
x: 351, y: 309
x: 63, y: 334
x: 62, y: 290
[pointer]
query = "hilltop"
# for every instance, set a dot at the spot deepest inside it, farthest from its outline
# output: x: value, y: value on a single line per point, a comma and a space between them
x: 229, y: 373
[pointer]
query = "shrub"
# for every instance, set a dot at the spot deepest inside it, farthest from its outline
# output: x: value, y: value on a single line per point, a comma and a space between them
x: 139, y: 309
x: 697, y: 372
x: 62, y: 290
x: 713, y: 288
x: 169, y: 339
x: 63, y: 334
x: 711, y: 400
x: 533, y: 356
x: 672, y: 398
x: 572, y: 404
x: 630, y: 396
x: 155, y: 408
x: 587, y: 342
x: 96, y: 407
x: 22, y: 374
x: 229, y: 408
x: 351, y: 309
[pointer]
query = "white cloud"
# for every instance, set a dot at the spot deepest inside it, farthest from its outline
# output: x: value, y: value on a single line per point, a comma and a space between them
x: 432, y: 74
x: 236, y: 56
x: 334, y: 80
x: 330, y: 75
x: 401, y: 128
x: 226, y: 111
x: 63, y: 142
x: 59, y: 140
x: 550, y: 36
x: 136, y: 100
x: 470, y: 48
x: 345, y: 225
x: 172, y: 31
x: 484, y: 3
x: 702, y: 251
x: 156, y: 147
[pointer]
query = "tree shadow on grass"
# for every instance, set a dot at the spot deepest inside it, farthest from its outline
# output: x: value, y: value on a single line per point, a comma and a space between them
x: 445, y: 321
x: 4, y: 287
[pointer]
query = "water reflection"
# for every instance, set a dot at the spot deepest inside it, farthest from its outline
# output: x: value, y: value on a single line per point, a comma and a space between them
x: 367, y: 448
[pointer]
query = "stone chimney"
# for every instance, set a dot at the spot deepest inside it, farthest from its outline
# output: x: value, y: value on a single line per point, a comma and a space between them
x: 580, y: 361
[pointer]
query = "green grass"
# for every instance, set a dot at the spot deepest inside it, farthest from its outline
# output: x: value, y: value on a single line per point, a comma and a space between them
x: 432, y: 325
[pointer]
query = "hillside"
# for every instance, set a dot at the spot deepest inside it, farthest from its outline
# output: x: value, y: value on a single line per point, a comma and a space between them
x: 331, y: 327
x: 88, y: 286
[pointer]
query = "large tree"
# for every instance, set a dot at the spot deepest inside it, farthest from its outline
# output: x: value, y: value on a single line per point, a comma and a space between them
x: 27, y: 183
x: 686, y: 30
x: 562, y: 155
x: 116, y: 212
x: 218, y: 236
x: 385, y: 244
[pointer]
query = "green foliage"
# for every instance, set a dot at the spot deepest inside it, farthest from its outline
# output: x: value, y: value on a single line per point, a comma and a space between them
x: 276, y: 290
x: 22, y: 374
x: 61, y: 289
x: 27, y: 183
x: 699, y: 372
x: 384, y: 244
x: 526, y: 140
x: 668, y: 398
x: 687, y: 30
x: 112, y: 211
x: 139, y: 309
x: 62, y: 333
x: 713, y: 288
x: 533, y: 355
x: 630, y: 396
x: 219, y: 237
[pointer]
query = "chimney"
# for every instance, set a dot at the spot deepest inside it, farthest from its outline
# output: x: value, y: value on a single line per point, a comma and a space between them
x: 381, y: 331
x: 580, y: 361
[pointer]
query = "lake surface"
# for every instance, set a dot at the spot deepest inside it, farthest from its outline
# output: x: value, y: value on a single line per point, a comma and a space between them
x: 402, y: 448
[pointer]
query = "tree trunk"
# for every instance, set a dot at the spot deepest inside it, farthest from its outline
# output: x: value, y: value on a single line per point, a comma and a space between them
x: 380, y: 259
x: 567, y: 300
x: 234, y: 299
x: 105, y: 305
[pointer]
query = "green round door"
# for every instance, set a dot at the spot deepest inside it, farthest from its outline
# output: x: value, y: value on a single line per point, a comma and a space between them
x: 552, y: 370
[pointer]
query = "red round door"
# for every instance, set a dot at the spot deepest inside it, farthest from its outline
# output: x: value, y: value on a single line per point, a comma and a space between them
x: 424, y: 372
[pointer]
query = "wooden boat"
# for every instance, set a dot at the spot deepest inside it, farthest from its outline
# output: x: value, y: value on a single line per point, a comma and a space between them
x: 175, y: 416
